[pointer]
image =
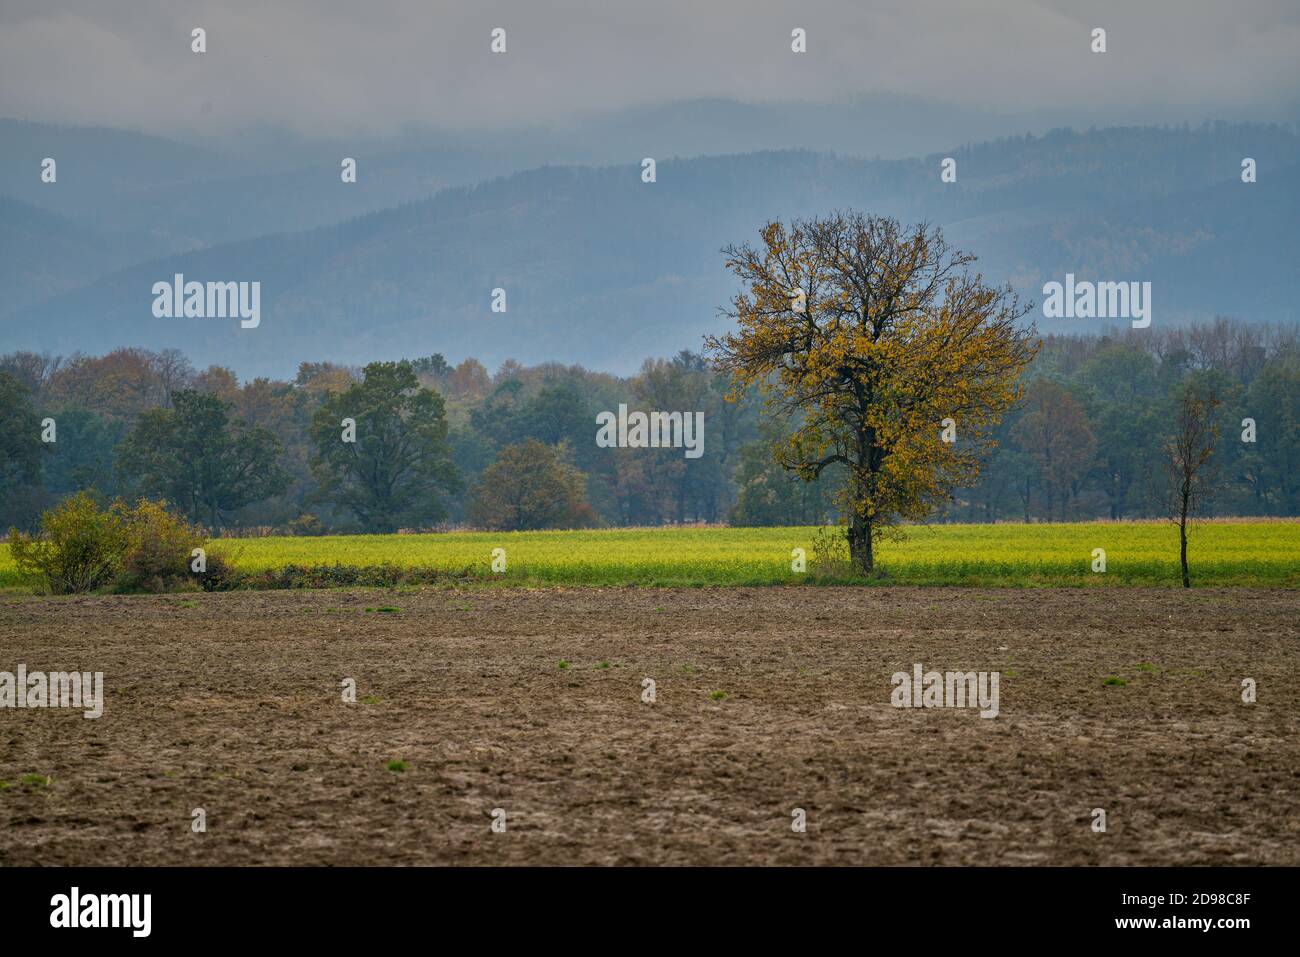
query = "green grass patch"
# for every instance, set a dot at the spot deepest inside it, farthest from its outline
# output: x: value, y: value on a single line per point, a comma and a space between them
x: 33, y: 782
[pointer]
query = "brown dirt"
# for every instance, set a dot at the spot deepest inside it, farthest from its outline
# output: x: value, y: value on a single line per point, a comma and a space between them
x: 232, y: 703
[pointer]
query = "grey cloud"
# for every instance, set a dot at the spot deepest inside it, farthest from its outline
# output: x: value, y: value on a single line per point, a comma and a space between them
x: 327, y: 67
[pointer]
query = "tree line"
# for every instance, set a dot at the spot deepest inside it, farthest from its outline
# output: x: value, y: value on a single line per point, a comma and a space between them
x: 441, y: 445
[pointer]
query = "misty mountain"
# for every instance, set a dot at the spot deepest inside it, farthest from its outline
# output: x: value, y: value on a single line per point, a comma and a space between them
x: 43, y: 254
x: 158, y: 196
x: 604, y: 269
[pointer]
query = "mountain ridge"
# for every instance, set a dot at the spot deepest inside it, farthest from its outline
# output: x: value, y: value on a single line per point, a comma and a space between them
x: 574, y: 245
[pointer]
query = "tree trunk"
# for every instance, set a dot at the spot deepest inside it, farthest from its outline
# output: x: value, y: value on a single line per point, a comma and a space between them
x: 1182, y: 542
x: 860, y: 544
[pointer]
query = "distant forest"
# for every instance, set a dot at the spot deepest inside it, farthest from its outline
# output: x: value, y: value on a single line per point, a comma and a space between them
x: 1085, y: 442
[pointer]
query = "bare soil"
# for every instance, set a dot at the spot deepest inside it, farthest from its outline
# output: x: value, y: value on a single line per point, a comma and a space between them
x: 232, y: 703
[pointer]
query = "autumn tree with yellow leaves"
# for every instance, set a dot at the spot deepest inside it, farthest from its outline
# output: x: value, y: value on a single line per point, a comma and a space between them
x: 865, y: 336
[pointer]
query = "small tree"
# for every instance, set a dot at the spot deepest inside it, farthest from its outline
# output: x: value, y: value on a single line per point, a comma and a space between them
x: 1190, y: 480
x: 530, y: 486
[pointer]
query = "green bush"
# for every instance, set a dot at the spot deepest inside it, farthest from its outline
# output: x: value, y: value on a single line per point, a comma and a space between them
x: 80, y: 546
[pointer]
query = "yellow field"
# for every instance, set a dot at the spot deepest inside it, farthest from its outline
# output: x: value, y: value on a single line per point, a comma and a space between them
x: 1221, y: 553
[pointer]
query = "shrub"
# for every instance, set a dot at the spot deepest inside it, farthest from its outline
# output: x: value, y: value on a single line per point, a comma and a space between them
x: 80, y: 546
x: 219, y: 575
x: 158, y: 550
x: 830, y: 553
x: 306, y: 524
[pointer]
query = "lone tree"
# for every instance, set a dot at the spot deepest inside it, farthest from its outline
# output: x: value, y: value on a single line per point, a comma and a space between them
x: 390, y: 471
x: 867, y: 336
x: 1190, y: 480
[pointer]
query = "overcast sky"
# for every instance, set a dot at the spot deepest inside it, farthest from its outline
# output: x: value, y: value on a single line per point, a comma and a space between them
x: 329, y: 67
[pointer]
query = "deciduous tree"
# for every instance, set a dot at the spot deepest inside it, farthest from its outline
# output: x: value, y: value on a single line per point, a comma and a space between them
x: 1054, y: 433
x: 393, y: 473
x: 530, y: 485
x: 870, y: 335
x: 21, y: 452
x: 1190, y: 481
x: 193, y: 456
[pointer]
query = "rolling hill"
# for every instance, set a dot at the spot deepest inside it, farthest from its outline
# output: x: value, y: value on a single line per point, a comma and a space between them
x: 603, y: 269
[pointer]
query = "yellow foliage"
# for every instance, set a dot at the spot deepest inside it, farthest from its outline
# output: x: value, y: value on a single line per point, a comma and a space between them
x: 867, y: 336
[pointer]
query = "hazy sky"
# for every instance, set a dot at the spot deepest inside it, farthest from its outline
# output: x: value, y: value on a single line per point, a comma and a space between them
x: 331, y: 67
